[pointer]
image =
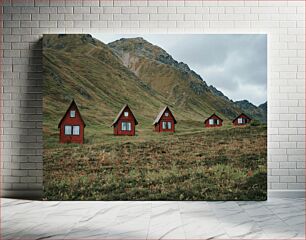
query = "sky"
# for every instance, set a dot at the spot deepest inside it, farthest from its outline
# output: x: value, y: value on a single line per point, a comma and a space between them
x: 235, y: 64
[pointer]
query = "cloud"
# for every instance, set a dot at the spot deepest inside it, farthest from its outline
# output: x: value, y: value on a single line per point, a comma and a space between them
x: 236, y: 64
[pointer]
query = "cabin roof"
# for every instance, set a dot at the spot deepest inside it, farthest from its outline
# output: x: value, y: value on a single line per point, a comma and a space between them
x: 73, y: 103
x: 214, y: 114
x: 160, y: 114
x: 240, y: 115
x: 120, y: 113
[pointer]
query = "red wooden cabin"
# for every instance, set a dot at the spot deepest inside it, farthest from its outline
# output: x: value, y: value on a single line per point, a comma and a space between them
x: 213, y: 121
x: 125, y: 122
x: 165, y: 121
x: 72, y: 126
x: 241, y: 120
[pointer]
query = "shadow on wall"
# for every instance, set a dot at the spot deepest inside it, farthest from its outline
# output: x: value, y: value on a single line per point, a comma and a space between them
x: 30, y: 144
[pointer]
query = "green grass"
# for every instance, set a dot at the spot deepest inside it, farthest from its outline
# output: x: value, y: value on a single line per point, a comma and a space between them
x: 192, y: 164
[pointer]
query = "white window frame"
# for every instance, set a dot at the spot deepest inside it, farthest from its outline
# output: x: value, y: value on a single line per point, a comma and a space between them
x: 166, y: 114
x: 72, y: 115
x: 169, y: 125
x: 66, y: 131
x: 126, y: 126
x: 217, y: 121
x: 129, y: 126
x: 123, y: 126
x: 164, y: 125
x: 240, y: 120
x: 211, y: 121
x: 126, y: 114
x: 74, y: 128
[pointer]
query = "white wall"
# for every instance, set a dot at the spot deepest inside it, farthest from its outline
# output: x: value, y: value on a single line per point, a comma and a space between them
x: 24, y: 22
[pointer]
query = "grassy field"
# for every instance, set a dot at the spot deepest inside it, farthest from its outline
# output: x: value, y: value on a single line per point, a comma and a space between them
x: 193, y: 164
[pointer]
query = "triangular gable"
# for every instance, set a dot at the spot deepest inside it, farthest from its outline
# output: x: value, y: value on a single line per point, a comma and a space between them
x: 121, y: 112
x: 212, y: 116
x: 160, y: 114
x: 76, y: 108
x: 241, y: 115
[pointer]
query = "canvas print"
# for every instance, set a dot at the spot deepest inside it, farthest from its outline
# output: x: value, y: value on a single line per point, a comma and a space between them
x: 155, y: 117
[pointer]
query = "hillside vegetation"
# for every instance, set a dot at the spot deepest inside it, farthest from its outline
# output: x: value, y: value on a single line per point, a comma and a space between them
x: 194, y: 163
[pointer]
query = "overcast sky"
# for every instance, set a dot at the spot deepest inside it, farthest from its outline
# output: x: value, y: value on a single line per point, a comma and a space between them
x: 236, y: 64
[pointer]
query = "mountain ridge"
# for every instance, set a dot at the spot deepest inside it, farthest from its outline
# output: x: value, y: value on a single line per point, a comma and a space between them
x: 138, y: 54
x: 101, y: 81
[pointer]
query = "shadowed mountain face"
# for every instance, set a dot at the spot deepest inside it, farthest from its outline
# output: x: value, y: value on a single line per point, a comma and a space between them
x: 102, y: 78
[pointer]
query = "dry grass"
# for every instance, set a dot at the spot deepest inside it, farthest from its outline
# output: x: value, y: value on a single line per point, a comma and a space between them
x: 223, y: 164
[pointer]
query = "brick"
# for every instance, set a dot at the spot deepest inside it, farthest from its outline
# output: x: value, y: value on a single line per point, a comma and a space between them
x: 29, y: 24
x: 30, y: 10
x: 147, y: 9
x: 73, y: 17
x: 48, y: 24
x: 83, y: 10
x: 166, y: 9
x: 138, y: 3
x: 287, y: 179
x: 185, y: 9
x: 26, y: 16
x: 158, y: 3
x: 91, y: 3
x: 40, y: 17
x: 129, y: 10
x: 112, y: 10
x: 82, y: 24
x: 49, y: 10
x: 73, y: 3
x: 140, y: 17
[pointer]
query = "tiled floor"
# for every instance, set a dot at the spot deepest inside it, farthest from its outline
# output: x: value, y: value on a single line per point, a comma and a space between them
x: 273, y: 219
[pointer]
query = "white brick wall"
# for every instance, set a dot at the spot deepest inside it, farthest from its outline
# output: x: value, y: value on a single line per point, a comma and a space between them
x: 24, y: 22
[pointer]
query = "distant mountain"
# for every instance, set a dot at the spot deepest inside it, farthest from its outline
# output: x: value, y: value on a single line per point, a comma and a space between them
x: 216, y: 92
x: 263, y: 106
x: 103, y: 77
x: 250, y: 109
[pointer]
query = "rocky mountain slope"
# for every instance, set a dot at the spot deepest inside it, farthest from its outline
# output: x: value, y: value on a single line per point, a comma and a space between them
x: 102, y: 78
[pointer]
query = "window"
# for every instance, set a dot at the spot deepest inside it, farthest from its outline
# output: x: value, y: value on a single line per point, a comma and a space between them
x: 126, y: 126
x: 217, y: 121
x: 76, y: 130
x: 211, y: 121
x: 126, y: 114
x: 240, y: 120
x: 68, y: 129
x: 164, y: 125
x: 169, y: 125
x: 166, y: 114
x: 72, y: 113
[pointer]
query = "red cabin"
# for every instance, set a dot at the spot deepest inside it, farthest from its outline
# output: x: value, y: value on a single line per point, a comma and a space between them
x: 213, y: 121
x: 165, y: 121
x: 125, y: 122
x: 72, y: 126
x: 241, y: 120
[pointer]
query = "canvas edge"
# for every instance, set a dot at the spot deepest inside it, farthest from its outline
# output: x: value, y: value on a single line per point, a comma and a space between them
x: 37, y: 194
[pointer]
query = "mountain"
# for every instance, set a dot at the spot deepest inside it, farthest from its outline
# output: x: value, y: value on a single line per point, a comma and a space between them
x: 250, y: 109
x: 83, y: 68
x: 180, y: 85
x: 102, y: 78
x: 263, y: 106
